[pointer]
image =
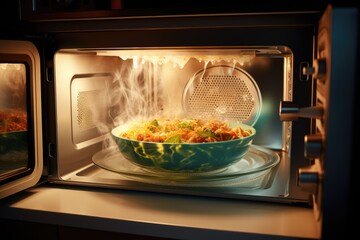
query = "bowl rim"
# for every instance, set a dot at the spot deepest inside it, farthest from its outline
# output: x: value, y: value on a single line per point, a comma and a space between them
x: 115, y: 129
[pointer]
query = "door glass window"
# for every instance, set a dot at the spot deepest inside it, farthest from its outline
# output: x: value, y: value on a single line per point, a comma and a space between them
x: 14, y: 143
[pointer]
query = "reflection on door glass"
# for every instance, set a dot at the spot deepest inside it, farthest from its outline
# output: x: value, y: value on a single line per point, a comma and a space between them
x: 13, y: 119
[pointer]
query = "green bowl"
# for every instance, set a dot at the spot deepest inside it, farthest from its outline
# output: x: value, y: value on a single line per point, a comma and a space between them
x: 183, y: 157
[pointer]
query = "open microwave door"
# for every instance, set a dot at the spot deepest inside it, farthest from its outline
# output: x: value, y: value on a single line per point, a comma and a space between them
x: 21, y: 151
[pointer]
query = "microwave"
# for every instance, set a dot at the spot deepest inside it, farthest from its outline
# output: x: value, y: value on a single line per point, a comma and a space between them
x: 66, y: 85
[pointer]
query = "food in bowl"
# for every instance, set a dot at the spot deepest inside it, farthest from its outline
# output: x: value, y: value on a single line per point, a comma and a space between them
x: 184, y: 131
x: 183, y: 145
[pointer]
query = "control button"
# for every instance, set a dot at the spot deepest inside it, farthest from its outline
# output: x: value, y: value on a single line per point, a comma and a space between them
x: 309, y: 178
x: 289, y: 111
x: 313, y: 145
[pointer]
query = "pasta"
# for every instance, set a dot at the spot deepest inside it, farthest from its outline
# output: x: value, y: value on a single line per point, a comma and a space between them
x: 190, y: 130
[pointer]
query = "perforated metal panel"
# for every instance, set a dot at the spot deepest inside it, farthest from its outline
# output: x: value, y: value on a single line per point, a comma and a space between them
x: 88, y: 106
x: 224, y: 92
x: 85, y: 102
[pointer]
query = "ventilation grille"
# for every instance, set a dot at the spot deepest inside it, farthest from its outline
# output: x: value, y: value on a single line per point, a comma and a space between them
x: 86, y: 103
x: 225, y: 95
x: 223, y: 92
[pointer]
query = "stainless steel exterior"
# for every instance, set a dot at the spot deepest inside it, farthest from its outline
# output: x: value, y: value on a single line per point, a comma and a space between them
x: 336, y: 88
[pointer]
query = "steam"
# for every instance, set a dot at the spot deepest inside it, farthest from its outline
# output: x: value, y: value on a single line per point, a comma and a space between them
x: 150, y: 84
x: 134, y: 92
x: 12, y: 86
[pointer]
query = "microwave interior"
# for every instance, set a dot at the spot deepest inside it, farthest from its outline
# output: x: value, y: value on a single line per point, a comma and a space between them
x: 97, y: 90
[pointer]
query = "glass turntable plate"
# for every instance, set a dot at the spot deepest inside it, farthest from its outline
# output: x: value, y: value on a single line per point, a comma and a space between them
x: 253, y: 170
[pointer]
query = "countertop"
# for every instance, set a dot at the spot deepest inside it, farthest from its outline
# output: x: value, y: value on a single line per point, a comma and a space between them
x: 159, y: 215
